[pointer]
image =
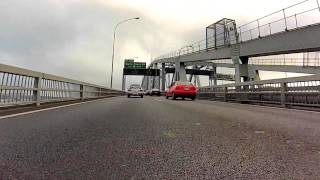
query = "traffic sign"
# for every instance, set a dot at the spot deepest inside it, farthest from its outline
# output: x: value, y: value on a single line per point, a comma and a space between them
x: 130, y: 64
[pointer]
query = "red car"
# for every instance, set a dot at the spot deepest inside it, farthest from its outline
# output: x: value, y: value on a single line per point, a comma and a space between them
x: 181, y: 89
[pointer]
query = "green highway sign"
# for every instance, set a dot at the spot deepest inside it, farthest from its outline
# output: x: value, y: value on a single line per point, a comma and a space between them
x: 130, y: 64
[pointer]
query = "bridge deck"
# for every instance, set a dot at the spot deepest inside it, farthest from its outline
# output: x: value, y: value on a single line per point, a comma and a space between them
x: 120, y: 138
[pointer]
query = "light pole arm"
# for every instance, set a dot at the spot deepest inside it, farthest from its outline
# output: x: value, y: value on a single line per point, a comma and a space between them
x: 121, y: 22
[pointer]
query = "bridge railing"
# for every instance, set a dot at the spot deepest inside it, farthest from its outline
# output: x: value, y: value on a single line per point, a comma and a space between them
x: 300, y: 91
x: 295, y: 16
x: 311, y: 62
x: 22, y: 87
x: 219, y: 41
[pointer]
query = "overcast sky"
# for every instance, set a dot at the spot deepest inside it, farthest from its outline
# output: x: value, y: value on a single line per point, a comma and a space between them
x: 73, y: 38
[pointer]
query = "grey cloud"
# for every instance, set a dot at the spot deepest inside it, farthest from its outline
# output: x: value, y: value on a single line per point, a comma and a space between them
x: 74, y: 39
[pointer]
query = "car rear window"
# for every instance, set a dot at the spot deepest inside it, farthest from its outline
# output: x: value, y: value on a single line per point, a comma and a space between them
x: 135, y: 87
x: 183, y: 83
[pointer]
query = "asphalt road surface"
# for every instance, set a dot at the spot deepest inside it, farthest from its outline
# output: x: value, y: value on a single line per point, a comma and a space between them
x: 155, y: 138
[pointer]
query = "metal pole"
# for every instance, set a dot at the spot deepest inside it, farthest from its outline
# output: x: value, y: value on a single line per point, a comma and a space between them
x: 318, y: 5
x: 259, y: 28
x: 270, y: 28
x: 163, y: 82
x: 285, y: 19
x: 113, y: 44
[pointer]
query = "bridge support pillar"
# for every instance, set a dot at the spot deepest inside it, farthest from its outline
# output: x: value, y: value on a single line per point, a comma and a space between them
x: 240, y: 63
x: 123, y: 82
x: 225, y: 92
x: 190, y: 77
x: 154, y: 77
x: 172, y: 79
x: 241, y: 69
x: 180, y: 73
x: 253, y: 74
x: 163, y: 77
x: 197, y: 81
x: 148, y: 79
x: 143, y: 83
x: 215, y: 76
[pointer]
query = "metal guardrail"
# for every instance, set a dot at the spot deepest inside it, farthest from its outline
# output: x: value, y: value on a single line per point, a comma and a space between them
x: 302, y: 91
x: 314, y: 62
x: 293, y: 17
x: 21, y: 87
x: 282, y: 20
x: 200, y: 46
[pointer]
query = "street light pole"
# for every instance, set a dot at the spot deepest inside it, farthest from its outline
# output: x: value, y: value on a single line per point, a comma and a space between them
x: 113, y: 44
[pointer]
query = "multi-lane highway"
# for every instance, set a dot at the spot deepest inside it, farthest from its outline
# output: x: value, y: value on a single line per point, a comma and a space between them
x: 155, y: 138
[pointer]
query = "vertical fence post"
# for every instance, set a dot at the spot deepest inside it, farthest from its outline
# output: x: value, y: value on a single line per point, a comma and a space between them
x: 283, y: 94
x: 318, y: 102
x: 285, y: 19
x: 100, y: 93
x: 37, y: 91
x: 259, y: 28
x: 270, y: 28
x: 81, y: 92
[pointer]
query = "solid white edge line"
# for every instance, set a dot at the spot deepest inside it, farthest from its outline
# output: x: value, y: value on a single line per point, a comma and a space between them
x: 46, y: 109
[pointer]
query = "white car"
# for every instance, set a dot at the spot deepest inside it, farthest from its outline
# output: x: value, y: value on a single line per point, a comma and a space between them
x: 135, y: 90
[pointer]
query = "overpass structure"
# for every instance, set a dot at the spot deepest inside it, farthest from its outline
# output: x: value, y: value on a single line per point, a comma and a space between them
x: 286, y: 31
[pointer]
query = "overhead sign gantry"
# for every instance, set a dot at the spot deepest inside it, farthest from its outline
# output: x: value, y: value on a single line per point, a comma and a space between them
x: 132, y: 68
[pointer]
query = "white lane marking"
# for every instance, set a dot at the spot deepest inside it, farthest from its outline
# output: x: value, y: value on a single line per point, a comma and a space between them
x: 259, y: 132
x: 158, y: 100
x: 46, y: 109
